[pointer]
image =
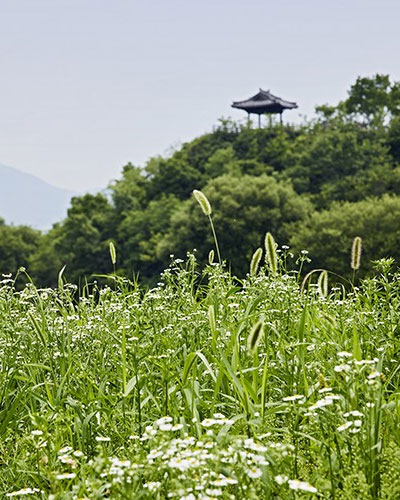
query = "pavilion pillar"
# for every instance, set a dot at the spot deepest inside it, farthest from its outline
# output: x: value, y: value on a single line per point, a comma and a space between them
x: 259, y: 121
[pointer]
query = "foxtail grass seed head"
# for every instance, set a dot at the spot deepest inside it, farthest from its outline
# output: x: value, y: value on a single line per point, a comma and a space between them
x: 255, y: 261
x: 113, y: 253
x: 255, y: 335
x: 323, y: 284
x: 60, y: 278
x: 203, y: 202
x: 211, y: 257
x: 356, y: 250
x: 211, y: 318
x: 271, y: 256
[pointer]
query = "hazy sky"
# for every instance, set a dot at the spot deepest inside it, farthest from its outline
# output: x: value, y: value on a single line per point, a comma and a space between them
x: 88, y: 85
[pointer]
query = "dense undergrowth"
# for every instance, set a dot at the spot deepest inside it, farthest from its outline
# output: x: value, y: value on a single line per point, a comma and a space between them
x: 203, y: 387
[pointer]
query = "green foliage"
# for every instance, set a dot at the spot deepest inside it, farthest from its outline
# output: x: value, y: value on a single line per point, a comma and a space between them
x: 45, y: 262
x: 129, y: 192
x: 373, y: 98
x: 17, y: 245
x: 328, y: 234
x: 254, y: 390
x: 140, y: 235
x: 341, y: 160
x: 81, y: 240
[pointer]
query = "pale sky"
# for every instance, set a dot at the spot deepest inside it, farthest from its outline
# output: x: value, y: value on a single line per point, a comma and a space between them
x: 89, y: 85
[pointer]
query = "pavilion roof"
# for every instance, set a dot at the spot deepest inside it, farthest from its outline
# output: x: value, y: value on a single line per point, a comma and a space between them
x: 264, y: 102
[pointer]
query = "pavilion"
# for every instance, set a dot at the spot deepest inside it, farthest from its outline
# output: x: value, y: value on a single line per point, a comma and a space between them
x: 264, y: 102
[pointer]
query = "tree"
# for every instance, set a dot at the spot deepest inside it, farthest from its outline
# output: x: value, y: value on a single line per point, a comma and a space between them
x: 340, y: 160
x: 17, y: 244
x: 328, y: 235
x: 139, y: 236
x: 172, y: 176
x: 82, y: 239
x: 129, y: 192
x: 45, y: 262
x: 374, y: 98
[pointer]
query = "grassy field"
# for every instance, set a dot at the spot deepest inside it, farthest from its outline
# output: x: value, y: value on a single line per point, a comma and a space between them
x: 203, y: 387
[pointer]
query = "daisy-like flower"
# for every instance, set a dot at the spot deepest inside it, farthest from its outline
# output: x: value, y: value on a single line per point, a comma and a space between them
x: 163, y: 421
x: 344, y: 354
x: 254, y: 473
x: 66, y: 475
x: 295, y: 484
x: 344, y: 426
x: 24, y: 491
x: 165, y: 427
x: 188, y: 497
x: 342, y: 368
x: 214, y: 492
x: 224, y: 481
x: 180, y: 464
x: 152, y: 486
x: 353, y: 413
x: 102, y: 439
x: 324, y: 390
x: 295, y: 397
x: 250, y: 444
x: 327, y: 400
x: 218, y: 419
x: 219, y: 416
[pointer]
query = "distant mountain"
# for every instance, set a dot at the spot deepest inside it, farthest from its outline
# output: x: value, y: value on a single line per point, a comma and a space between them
x: 26, y: 199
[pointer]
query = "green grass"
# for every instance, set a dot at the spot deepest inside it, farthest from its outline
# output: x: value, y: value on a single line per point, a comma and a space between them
x: 161, y: 394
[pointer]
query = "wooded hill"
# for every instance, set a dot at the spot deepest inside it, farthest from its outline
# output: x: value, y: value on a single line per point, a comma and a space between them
x: 314, y: 186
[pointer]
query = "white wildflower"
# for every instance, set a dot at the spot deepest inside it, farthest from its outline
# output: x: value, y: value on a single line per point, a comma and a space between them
x: 66, y: 475
x: 180, y: 464
x: 342, y: 368
x: 326, y: 401
x: 219, y: 416
x: 162, y: 421
x: 345, y: 426
x: 188, y: 497
x: 254, y: 473
x: 344, y: 354
x: 65, y: 450
x: 165, y: 427
x: 24, y: 491
x: 152, y: 486
x: 295, y: 397
x: 214, y: 492
x: 295, y: 484
x: 353, y: 413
